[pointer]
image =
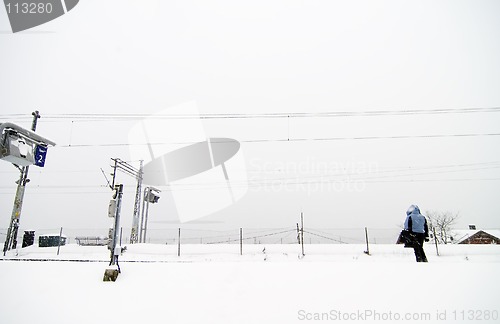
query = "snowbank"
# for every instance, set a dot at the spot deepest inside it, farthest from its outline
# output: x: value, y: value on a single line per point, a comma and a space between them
x: 214, y: 284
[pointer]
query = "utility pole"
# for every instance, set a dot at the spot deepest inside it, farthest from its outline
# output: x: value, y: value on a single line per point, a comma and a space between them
x: 137, y: 207
x: 138, y: 174
x: 150, y: 196
x: 114, y: 173
x: 116, y: 225
x: 11, y: 239
x: 145, y: 213
x: 141, y: 229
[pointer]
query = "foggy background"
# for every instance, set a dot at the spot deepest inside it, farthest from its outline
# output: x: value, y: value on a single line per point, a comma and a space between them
x: 391, y: 103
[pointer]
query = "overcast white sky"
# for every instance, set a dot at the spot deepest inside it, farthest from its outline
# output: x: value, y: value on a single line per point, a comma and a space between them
x: 248, y: 57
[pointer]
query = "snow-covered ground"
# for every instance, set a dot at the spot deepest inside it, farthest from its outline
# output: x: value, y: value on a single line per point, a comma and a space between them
x: 267, y: 284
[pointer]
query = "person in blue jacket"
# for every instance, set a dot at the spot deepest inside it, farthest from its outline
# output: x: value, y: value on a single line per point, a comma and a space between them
x: 416, y: 223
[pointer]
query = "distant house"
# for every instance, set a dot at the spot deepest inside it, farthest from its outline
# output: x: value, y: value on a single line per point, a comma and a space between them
x: 474, y: 236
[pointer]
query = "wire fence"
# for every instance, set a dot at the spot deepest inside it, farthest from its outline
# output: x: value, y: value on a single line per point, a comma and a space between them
x: 286, y: 235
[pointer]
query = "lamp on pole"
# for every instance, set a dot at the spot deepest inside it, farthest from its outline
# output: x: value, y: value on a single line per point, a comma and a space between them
x: 150, y: 196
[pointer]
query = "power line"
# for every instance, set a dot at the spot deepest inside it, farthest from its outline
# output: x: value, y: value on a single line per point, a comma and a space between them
x: 288, y: 184
x: 326, y: 177
x: 320, y: 139
x: 493, y: 164
x: 284, y: 114
x: 371, y: 176
x: 323, y: 179
x: 367, y: 113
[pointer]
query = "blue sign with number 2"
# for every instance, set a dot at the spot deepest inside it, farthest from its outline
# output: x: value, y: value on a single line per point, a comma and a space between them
x: 40, y: 155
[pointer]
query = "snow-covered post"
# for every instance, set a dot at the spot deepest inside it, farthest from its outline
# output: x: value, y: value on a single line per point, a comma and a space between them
x: 367, y: 244
x: 60, y: 238
x: 435, y: 240
x: 179, y: 244
x: 241, y: 241
x: 302, y: 232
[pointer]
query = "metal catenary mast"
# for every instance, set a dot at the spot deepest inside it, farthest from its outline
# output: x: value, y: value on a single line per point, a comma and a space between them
x: 134, y: 235
x: 136, y: 173
x: 12, y: 138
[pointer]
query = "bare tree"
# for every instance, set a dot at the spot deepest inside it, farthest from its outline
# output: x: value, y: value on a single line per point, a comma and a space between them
x: 442, y: 222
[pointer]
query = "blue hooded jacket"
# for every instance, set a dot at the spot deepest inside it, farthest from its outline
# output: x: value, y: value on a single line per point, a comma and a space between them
x: 415, y: 222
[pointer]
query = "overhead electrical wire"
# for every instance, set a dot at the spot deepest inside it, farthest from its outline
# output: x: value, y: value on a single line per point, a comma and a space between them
x: 365, y: 177
x: 291, y: 184
x: 110, y: 117
x: 367, y: 113
x: 342, y: 176
x: 263, y: 140
x: 116, y: 117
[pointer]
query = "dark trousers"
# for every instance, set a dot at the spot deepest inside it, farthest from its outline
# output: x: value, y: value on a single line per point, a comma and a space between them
x: 418, y: 247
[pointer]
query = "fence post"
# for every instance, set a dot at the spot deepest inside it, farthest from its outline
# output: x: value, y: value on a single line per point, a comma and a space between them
x: 435, y: 240
x: 179, y: 244
x: 367, y: 244
x: 241, y: 241
x: 60, y: 238
x: 302, y: 232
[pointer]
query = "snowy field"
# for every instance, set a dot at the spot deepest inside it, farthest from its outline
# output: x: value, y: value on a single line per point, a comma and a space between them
x: 267, y: 284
